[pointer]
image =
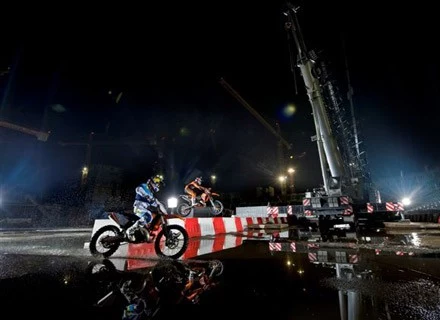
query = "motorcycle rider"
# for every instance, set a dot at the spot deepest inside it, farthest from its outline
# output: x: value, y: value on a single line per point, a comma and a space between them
x: 191, y: 188
x: 145, y: 202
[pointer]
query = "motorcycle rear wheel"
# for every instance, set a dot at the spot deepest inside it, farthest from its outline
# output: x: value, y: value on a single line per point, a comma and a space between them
x: 111, y: 242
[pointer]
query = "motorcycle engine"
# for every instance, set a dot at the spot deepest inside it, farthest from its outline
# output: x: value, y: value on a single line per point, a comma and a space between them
x: 141, y: 235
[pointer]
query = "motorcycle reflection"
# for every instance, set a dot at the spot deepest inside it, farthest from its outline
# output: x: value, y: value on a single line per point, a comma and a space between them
x: 142, y: 294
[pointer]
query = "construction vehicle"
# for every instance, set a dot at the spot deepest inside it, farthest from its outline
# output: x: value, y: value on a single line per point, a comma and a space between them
x: 347, y: 189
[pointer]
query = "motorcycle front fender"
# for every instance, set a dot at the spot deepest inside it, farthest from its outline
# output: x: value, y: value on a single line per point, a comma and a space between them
x: 184, y: 198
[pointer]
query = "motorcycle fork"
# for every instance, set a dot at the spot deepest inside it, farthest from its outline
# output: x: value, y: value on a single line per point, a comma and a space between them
x: 155, y: 221
x: 164, y: 225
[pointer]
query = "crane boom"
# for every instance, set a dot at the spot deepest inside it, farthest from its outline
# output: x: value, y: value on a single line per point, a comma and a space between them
x: 237, y: 96
x: 41, y: 135
x: 327, y: 145
x: 108, y: 143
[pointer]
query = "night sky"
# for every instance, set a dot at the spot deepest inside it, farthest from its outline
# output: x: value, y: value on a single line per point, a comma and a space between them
x: 69, y: 65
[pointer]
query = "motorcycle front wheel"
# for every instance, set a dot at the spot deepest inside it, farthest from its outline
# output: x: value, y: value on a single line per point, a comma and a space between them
x: 216, y: 267
x: 105, y: 241
x: 171, y: 243
x: 217, y: 209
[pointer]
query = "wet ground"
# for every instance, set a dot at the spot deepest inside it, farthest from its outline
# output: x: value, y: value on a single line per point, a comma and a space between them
x: 296, y: 275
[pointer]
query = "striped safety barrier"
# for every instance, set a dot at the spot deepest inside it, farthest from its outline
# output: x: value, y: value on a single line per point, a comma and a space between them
x: 196, y: 227
x: 272, y: 211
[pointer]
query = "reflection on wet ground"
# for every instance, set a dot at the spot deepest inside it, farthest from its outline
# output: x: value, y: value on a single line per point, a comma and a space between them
x: 295, y: 274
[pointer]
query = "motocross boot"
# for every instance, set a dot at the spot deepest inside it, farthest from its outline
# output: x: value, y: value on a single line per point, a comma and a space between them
x: 131, y: 231
x: 149, y: 234
x: 146, y: 233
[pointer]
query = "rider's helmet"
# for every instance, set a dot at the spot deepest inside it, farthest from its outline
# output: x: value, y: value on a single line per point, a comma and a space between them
x: 198, y: 180
x: 154, y: 183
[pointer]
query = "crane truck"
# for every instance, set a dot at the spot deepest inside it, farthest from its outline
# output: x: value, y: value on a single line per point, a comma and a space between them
x: 347, y: 193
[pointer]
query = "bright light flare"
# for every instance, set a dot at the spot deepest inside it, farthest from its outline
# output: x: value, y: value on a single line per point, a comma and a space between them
x: 172, y: 202
x: 184, y: 132
x: 406, y: 201
x: 289, y: 110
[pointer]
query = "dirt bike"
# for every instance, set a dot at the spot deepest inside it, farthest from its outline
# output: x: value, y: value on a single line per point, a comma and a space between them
x: 186, y: 208
x: 164, y: 235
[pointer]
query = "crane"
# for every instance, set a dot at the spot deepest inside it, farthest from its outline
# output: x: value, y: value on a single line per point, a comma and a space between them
x: 346, y: 180
x: 244, y: 103
x: 276, y: 132
x: 41, y: 135
x: 332, y: 168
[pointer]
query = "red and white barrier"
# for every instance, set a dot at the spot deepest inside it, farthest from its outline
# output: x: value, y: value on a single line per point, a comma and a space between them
x: 272, y: 211
x: 260, y: 211
x: 196, y: 227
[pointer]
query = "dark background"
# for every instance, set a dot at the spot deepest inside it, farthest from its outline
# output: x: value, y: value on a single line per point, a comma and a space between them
x: 69, y: 64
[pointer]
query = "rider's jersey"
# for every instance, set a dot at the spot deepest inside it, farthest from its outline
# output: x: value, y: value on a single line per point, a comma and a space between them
x: 144, y: 194
x: 193, y: 185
